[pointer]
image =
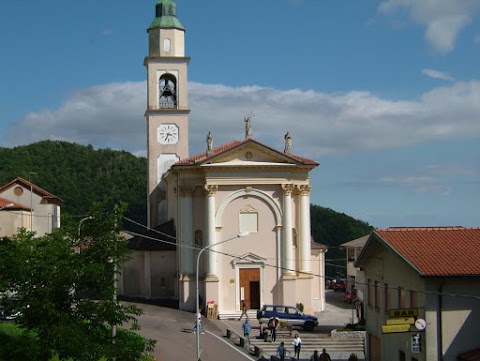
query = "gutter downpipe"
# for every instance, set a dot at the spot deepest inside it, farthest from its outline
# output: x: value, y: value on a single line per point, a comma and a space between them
x: 439, y: 322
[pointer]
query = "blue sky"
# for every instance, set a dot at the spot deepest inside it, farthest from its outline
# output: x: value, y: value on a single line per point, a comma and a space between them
x: 385, y: 95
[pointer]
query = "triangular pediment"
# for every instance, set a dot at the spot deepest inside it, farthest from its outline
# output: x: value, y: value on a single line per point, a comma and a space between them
x: 250, y: 154
x: 246, y: 153
x: 248, y: 258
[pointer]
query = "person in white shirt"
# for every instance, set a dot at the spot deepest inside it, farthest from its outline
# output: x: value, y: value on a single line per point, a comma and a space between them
x: 297, y: 344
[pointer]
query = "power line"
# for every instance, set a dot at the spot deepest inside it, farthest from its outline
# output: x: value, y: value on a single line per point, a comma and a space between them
x: 189, y: 244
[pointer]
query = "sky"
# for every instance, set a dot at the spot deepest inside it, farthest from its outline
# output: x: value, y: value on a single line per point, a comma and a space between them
x: 384, y: 94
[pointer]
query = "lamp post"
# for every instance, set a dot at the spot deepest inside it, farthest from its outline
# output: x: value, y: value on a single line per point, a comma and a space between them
x: 197, y: 334
x: 80, y: 223
x: 31, y: 199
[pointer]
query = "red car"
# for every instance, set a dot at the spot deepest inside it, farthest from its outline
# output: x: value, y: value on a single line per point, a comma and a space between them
x: 340, y: 285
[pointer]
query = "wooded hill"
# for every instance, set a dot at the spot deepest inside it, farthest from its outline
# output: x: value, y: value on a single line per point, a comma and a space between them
x: 81, y: 175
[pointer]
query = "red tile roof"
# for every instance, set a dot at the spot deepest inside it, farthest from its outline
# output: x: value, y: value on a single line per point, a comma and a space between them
x: 15, y: 206
x: 36, y: 189
x: 205, y: 157
x: 437, y: 251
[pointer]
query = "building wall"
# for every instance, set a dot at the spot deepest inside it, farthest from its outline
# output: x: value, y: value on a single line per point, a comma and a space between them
x: 263, y: 243
x: 133, y: 276
x: 12, y: 221
x: 149, y: 274
x: 458, y: 325
x: 388, y: 269
x: 44, y: 218
x: 163, y: 274
x: 450, y: 333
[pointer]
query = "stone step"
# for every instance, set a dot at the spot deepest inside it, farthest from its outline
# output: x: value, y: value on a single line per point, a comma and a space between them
x: 313, y: 345
x: 341, y: 348
x: 234, y: 315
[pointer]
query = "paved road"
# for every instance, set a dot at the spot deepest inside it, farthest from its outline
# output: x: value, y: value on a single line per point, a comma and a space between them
x: 175, y: 341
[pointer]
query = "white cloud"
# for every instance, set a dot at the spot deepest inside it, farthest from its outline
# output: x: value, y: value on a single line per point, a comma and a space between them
x: 443, y: 19
x: 104, y: 116
x: 419, y: 184
x: 112, y: 116
x: 437, y: 74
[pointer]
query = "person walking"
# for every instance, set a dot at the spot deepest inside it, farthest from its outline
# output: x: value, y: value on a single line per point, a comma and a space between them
x: 244, y: 311
x: 246, y: 330
x: 281, y: 351
x: 198, y: 323
x: 325, y: 356
x: 297, y: 345
x: 315, y: 356
x: 272, y: 326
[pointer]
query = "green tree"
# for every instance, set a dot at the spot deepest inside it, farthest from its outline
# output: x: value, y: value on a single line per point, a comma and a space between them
x: 64, y: 289
x: 332, y: 229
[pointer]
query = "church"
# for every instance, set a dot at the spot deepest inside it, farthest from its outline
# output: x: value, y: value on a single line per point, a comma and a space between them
x: 244, y: 203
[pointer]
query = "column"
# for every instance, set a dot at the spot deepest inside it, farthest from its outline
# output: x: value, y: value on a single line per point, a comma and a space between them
x: 305, y: 231
x: 289, y: 263
x: 186, y: 231
x: 210, y: 190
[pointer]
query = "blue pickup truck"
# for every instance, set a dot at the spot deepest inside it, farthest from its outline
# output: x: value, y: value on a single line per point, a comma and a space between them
x: 288, y: 314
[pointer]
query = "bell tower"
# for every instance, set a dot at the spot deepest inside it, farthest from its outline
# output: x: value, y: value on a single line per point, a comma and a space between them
x: 167, y: 103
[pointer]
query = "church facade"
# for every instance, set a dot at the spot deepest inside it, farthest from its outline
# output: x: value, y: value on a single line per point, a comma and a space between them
x: 243, y: 187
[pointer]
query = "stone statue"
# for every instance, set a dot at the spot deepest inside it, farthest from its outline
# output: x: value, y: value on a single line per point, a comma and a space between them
x: 288, y: 143
x: 209, y: 141
x: 248, y: 127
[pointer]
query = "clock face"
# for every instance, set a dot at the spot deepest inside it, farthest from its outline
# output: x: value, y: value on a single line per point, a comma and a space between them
x: 168, y: 134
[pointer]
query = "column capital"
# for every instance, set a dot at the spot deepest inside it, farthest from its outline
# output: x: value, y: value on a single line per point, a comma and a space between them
x: 210, y: 189
x: 288, y: 189
x: 304, y: 189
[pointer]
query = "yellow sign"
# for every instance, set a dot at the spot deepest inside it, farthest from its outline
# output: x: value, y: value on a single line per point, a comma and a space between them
x: 395, y: 328
x: 404, y: 312
x: 401, y: 321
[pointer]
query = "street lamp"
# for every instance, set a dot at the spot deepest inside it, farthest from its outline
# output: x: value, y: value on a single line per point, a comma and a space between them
x: 80, y: 224
x: 31, y: 199
x: 197, y: 334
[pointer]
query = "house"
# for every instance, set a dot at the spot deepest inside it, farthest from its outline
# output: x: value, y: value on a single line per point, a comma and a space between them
x: 241, y: 187
x: 355, y: 276
x: 25, y: 205
x: 423, y: 292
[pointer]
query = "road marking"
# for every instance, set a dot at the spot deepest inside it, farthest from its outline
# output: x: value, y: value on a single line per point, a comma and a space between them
x: 230, y: 345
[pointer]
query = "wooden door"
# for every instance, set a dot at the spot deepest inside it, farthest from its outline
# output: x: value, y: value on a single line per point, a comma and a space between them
x: 250, y: 287
x: 375, y: 348
x: 255, y: 295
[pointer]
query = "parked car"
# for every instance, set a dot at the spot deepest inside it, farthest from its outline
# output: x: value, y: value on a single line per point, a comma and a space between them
x: 290, y: 315
x: 340, y: 286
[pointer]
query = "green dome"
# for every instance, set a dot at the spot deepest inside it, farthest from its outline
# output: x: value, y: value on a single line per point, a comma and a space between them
x: 166, y: 15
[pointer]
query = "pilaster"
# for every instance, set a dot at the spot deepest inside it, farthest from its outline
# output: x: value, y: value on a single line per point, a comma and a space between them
x: 210, y: 191
x: 186, y: 231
